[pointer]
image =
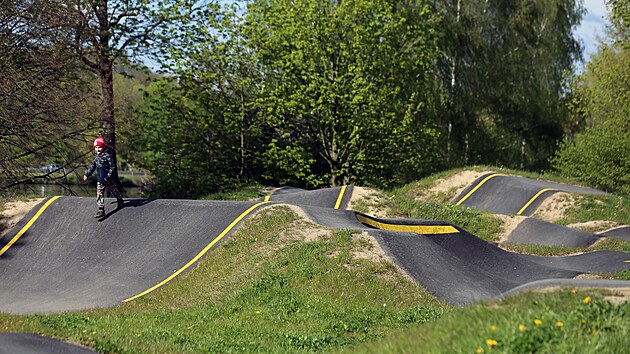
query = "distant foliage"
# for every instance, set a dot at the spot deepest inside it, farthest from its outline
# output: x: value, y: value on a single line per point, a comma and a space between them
x: 600, y: 155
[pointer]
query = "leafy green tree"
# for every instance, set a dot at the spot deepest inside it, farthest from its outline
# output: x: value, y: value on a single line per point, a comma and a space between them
x: 503, y: 69
x: 187, y: 147
x: 600, y: 154
x: 216, y: 78
x: 347, y: 94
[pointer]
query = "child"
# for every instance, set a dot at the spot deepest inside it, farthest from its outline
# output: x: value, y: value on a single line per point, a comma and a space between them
x: 103, y: 164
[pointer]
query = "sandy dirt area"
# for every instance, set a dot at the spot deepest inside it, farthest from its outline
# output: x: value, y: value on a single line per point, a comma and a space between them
x: 14, y: 212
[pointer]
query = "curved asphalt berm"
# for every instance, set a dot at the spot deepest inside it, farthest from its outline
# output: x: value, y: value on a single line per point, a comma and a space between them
x: 513, y: 195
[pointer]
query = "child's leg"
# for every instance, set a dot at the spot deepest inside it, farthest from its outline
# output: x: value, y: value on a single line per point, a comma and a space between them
x: 100, y: 195
x: 111, y: 186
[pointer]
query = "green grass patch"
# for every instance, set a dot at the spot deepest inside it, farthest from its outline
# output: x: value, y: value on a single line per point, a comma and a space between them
x: 566, y: 321
x: 612, y: 244
x: 260, y: 292
x: 598, y: 207
x: 244, y: 193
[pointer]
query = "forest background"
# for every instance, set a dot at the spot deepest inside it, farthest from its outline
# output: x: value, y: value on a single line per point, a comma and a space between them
x: 311, y: 93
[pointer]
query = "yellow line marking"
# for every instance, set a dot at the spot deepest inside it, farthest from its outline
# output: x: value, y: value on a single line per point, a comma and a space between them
x: 419, y: 229
x: 28, y: 225
x: 628, y: 261
x: 267, y: 197
x: 477, y: 187
x: 199, y: 255
x: 534, y: 198
x: 341, y: 192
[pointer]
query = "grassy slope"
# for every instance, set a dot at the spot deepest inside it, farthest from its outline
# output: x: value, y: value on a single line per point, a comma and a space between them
x: 265, y: 290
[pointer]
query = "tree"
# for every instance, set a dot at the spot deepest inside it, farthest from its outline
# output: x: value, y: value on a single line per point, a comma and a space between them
x: 110, y: 31
x: 504, y: 67
x: 347, y: 95
x: 205, y: 103
x: 600, y: 153
x: 45, y: 101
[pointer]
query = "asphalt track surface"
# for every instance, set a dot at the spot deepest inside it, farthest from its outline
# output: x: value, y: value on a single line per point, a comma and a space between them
x: 513, y: 195
x: 539, y: 232
x: 23, y: 343
x: 622, y: 233
x: 59, y: 258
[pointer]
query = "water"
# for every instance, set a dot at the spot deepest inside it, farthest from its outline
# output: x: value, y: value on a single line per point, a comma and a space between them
x: 50, y: 190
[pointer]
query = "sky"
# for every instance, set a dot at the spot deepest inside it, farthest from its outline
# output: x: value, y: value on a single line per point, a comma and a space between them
x: 592, y: 26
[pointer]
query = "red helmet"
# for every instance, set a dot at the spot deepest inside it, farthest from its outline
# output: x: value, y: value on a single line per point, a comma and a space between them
x: 99, y: 142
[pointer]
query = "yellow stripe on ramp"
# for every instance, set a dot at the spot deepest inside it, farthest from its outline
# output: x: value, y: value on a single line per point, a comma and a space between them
x: 477, y: 187
x: 340, y: 197
x: 419, y: 229
x: 28, y: 225
x: 200, y: 254
x: 534, y: 198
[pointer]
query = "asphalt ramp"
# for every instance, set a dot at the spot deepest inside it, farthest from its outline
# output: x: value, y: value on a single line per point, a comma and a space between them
x: 622, y: 233
x: 513, y: 195
x: 68, y: 261
x: 538, y: 232
x: 333, y: 198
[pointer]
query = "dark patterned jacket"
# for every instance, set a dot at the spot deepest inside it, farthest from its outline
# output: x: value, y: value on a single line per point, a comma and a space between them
x: 103, y: 164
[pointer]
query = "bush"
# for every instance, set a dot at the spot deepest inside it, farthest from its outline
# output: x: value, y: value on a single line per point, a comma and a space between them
x: 600, y: 157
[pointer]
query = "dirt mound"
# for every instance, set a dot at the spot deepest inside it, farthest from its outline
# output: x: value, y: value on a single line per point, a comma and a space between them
x: 15, y: 211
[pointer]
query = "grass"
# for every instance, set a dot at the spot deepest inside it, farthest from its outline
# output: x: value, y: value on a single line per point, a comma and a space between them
x: 598, y: 207
x: 565, y: 321
x: 245, y: 193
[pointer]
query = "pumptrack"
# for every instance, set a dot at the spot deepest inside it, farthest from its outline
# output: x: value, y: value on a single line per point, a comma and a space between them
x: 59, y: 258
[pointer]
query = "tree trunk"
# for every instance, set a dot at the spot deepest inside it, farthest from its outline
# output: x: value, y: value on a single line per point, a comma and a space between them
x: 107, y: 115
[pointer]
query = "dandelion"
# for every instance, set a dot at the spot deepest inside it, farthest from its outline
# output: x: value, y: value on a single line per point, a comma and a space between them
x: 491, y: 343
x: 537, y: 322
x: 586, y: 300
x: 522, y: 328
x: 479, y: 351
x: 257, y: 311
x: 84, y: 331
x: 573, y: 291
x: 93, y: 332
x: 493, y: 328
x: 559, y: 324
